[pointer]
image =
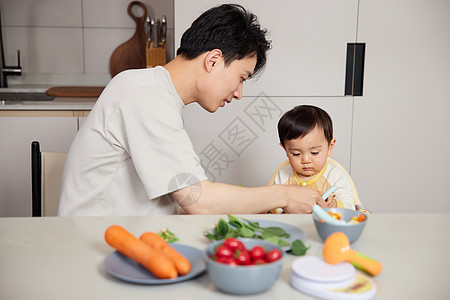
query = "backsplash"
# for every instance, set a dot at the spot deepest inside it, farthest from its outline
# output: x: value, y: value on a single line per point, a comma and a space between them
x: 71, y: 41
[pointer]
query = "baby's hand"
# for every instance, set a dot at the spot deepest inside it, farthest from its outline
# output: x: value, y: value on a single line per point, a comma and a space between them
x: 331, y: 202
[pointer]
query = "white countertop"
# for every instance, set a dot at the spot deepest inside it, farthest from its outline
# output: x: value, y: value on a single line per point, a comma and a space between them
x: 56, y: 104
x: 62, y: 257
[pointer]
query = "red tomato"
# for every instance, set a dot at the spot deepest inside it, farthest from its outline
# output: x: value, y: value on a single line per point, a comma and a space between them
x: 242, y: 257
x: 226, y: 260
x: 213, y: 257
x: 257, y: 252
x: 259, y: 261
x: 234, y: 244
x: 273, y: 255
x: 224, y: 251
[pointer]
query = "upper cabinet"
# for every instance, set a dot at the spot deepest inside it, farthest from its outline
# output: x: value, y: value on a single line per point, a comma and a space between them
x: 309, y: 43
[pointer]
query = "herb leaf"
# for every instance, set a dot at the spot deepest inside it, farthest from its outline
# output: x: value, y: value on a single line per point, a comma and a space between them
x: 168, y: 236
x: 246, y: 232
x: 277, y: 231
x: 298, y: 248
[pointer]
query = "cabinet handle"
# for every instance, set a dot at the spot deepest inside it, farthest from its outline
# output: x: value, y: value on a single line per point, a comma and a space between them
x: 354, y: 76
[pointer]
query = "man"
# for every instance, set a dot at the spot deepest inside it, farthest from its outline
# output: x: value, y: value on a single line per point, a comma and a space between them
x: 133, y: 156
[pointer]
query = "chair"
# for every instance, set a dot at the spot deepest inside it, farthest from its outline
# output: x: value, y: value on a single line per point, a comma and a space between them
x: 46, y: 175
x: 358, y: 205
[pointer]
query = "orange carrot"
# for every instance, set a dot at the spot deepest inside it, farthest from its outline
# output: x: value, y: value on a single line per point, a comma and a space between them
x: 129, y: 245
x: 152, y: 239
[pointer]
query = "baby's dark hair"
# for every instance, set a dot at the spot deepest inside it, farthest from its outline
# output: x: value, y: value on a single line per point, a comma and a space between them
x: 300, y: 120
x: 230, y: 28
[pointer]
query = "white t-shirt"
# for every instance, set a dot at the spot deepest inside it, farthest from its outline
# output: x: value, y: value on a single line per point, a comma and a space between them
x: 131, y: 151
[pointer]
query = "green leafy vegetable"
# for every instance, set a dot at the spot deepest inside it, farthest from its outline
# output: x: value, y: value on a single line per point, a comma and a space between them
x: 168, y: 236
x: 298, y: 248
x: 240, y: 227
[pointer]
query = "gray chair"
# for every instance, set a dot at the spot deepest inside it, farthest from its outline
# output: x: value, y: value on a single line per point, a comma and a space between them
x: 46, y: 175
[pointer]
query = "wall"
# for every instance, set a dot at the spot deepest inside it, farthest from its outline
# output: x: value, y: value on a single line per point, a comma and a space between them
x: 70, y: 41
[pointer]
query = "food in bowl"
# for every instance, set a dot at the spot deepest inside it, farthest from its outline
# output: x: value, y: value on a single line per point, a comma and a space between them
x: 352, y: 231
x: 353, y: 220
x: 252, y: 266
x: 233, y: 252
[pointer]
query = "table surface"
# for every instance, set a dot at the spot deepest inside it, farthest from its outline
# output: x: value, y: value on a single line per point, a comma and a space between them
x: 62, y: 257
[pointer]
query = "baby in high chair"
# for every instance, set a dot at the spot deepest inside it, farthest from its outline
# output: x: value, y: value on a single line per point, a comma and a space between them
x: 306, y: 134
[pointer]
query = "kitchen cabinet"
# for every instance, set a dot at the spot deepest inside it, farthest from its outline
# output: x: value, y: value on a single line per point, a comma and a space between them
x: 401, y: 123
x: 306, y: 65
x: 309, y: 43
x: 16, y: 135
x: 239, y: 144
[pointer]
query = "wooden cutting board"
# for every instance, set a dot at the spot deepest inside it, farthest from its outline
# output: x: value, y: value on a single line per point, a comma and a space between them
x: 75, y: 91
x: 131, y: 54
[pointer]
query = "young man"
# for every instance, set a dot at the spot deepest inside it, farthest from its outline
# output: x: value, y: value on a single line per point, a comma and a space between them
x: 133, y: 156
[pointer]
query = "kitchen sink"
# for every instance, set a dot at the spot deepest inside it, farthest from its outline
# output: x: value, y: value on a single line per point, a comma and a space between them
x: 25, y: 96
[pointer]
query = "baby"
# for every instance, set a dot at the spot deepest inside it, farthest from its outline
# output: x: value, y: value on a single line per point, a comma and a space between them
x: 306, y: 134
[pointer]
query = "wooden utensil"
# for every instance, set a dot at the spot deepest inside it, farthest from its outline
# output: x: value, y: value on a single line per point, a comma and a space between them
x: 75, y: 91
x: 131, y: 54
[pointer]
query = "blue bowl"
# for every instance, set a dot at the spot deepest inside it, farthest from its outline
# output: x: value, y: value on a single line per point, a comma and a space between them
x: 353, y: 231
x: 243, y: 280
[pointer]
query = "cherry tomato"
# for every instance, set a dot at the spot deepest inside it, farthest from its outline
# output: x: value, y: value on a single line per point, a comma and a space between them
x: 226, y: 260
x: 257, y: 252
x: 259, y: 261
x: 273, y: 255
x: 224, y: 251
x: 242, y: 257
x: 213, y: 257
x: 234, y: 244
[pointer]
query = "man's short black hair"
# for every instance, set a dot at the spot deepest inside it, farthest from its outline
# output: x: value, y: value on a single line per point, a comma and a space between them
x: 230, y: 28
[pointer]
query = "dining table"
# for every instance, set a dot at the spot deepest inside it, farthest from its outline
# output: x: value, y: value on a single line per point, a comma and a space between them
x: 64, y: 257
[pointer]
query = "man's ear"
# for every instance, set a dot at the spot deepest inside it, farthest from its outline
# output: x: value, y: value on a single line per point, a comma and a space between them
x: 331, y: 147
x: 212, y: 59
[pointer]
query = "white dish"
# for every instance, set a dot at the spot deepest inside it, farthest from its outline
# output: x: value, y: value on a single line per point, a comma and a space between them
x: 124, y: 268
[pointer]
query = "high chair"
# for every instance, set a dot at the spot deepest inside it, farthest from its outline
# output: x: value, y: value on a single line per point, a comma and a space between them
x: 46, y: 175
x: 358, y: 205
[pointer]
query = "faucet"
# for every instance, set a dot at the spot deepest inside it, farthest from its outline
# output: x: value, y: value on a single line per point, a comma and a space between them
x: 7, y: 70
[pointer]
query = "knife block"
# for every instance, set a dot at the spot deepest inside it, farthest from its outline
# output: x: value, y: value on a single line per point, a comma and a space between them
x: 155, y: 56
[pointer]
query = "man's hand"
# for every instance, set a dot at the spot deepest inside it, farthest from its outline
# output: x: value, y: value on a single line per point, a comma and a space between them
x: 301, y: 200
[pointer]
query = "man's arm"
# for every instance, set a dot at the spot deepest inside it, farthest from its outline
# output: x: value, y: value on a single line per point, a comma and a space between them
x: 209, y: 197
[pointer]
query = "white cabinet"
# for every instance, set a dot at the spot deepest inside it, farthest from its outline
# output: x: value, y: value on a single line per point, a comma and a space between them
x: 305, y: 66
x: 240, y: 145
x: 16, y: 135
x: 400, y: 132
x: 309, y: 43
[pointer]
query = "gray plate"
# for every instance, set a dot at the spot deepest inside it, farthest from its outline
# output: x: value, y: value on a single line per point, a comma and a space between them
x: 124, y: 268
x: 295, y: 232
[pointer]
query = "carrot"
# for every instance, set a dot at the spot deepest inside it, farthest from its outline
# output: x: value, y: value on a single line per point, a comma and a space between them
x: 129, y: 245
x: 152, y: 239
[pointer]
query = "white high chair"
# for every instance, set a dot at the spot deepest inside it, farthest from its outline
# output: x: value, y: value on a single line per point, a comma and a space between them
x: 358, y: 205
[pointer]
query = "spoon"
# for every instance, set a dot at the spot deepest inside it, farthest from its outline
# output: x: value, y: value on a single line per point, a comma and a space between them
x: 322, y: 214
x: 336, y: 249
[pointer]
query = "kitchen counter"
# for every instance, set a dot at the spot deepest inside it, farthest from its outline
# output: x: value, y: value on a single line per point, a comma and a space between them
x: 62, y: 257
x: 58, y: 103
